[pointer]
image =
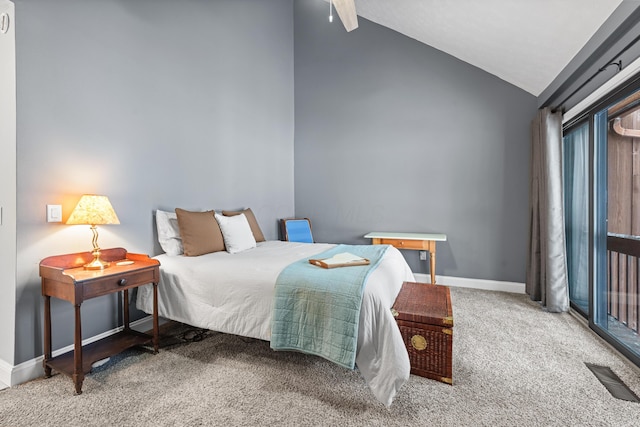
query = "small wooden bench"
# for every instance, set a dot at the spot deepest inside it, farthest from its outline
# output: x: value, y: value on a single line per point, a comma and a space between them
x: 425, y: 317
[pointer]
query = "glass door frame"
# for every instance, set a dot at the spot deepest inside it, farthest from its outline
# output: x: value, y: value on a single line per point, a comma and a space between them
x: 598, y: 205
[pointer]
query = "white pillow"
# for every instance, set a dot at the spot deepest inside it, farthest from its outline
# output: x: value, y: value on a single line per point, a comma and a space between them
x: 169, y: 233
x: 236, y: 233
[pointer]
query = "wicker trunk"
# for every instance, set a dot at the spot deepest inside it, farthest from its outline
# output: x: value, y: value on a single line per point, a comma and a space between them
x: 425, y: 317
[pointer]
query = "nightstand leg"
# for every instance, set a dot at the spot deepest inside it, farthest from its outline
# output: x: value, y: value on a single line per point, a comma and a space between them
x: 156, y: 324
x: 78, y: 373
x: 125, y: 308
x: 47, y: 336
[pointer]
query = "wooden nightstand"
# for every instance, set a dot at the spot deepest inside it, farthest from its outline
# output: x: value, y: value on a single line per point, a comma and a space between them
x: 64, y: 277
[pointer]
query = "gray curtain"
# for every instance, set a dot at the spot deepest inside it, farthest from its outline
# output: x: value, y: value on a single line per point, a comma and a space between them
x: 547, y: 264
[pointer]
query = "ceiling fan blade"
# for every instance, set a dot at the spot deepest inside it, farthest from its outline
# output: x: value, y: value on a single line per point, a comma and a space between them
x: 347, y: 13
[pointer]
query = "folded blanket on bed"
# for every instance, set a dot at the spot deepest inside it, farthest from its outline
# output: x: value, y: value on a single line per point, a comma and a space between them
x: 316, y: 310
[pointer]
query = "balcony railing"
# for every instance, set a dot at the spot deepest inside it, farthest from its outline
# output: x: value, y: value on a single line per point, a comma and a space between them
x: 624, y: 279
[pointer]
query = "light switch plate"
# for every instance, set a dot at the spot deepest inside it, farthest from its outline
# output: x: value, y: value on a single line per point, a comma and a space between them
x: 54, y: 213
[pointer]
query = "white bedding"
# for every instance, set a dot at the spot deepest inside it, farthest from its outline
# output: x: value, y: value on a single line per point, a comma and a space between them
x: 233, y: 293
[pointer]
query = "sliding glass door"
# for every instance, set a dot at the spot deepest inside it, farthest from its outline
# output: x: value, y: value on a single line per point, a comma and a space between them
x: 601, y: 172
x: 617, y: 221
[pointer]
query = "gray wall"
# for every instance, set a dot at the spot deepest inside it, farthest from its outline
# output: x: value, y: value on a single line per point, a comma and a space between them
x: 393, y: 135
x: 157, y: 104
x: 190, y: 103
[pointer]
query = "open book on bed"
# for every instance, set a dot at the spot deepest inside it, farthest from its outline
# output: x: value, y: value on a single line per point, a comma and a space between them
x: 343, y: 259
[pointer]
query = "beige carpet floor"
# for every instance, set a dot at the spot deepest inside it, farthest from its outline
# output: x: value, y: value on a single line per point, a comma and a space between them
x: 514, y: 365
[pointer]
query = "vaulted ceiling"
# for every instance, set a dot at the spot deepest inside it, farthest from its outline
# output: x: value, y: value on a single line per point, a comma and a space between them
x: 524, y: 42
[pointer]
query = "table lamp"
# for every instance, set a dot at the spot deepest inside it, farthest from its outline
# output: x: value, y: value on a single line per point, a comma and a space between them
x: 94, y: 210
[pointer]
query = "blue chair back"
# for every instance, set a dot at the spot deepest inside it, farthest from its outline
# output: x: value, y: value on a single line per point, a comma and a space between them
x: 297, y: 230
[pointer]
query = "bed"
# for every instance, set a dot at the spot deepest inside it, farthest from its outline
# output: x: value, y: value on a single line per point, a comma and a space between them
x: 234, y: 292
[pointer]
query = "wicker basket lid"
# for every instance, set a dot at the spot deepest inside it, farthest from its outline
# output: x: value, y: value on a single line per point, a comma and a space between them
x: 424, y: 303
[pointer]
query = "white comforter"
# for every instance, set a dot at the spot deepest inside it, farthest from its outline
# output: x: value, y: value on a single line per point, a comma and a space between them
x: 233, y: 293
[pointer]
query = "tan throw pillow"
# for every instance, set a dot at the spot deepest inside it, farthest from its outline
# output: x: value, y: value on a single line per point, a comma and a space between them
x: 253, y: 223
x: 200, y: 232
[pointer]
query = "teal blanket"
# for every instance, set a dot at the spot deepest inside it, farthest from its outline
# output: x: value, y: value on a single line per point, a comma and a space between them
x: 316, y: 310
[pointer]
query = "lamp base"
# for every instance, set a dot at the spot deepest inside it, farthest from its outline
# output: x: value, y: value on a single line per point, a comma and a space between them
x: 97, y: 263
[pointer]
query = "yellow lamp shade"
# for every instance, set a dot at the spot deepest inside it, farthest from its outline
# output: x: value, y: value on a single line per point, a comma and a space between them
x: 94, y: 210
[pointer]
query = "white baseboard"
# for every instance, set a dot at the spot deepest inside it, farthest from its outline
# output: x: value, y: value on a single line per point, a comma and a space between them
x: 5, y: 374
x: 32, y: 369
x: 463, y: 282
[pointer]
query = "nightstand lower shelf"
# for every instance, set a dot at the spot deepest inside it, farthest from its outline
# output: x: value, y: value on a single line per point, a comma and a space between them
x: 98, y: 350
